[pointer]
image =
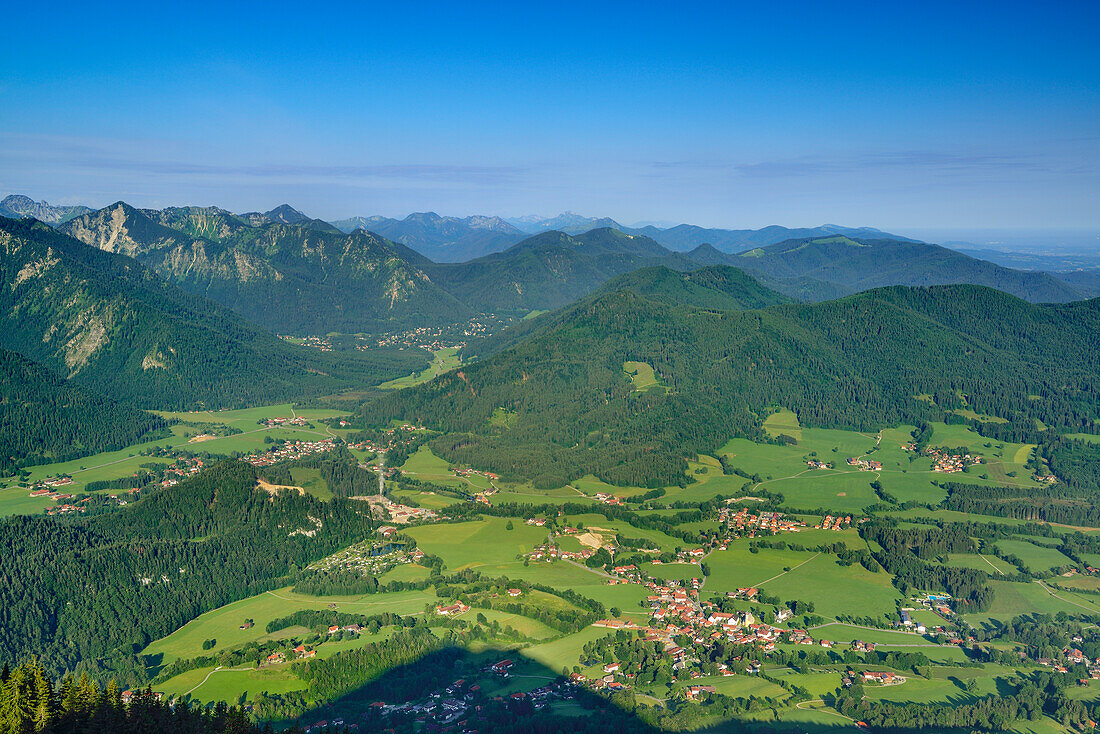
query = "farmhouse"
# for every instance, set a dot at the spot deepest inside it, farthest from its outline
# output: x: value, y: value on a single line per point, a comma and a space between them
x: 453, y: 610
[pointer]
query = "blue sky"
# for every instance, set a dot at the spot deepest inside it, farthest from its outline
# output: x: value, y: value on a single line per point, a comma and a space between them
x: 933, y: 115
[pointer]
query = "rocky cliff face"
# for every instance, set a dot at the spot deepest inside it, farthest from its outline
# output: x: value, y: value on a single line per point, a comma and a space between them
x: 286, y: 277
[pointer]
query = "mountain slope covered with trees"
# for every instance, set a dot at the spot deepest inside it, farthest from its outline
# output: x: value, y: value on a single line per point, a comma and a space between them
x: 106, y: 323
x: 46, y: 419
x: 878, y: 358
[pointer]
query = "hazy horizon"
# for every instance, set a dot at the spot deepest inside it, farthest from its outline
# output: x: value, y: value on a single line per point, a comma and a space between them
x: 939, y: 116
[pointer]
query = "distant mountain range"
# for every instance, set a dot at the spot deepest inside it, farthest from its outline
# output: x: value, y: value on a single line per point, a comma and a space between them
x: 442, y: 239
x: 16, y: 206
x: 291, y: 273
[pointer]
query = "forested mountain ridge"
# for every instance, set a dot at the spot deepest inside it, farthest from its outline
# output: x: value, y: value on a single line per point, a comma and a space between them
x: 856, y: 264
x: 43, y: 418
x: 859, y: 363
x: 284, y: 276
x: 106, y: 323
x: 552, y: 269
x: 688, y: 236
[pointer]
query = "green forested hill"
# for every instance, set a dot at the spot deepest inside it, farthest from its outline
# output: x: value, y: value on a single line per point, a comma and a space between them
x: 43, y: 418
x: 112, y: 583
x: 552, y: 269
x: 847, y: 265
x: 277, y: 271
x: 720, y: 288
x: 108, y: 324
x: 859, y: 362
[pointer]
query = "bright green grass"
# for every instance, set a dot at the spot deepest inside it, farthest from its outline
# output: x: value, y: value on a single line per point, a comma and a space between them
x: 406, y: 572
x: 844, y: 633
x: 783, y: 421
x: 1071, y: 583
x: 741, y: 686
x: 310, y: 480
x: 593, y: 520
x: 967, y: 413
x: 233, y: 685
x: 430, y: 500
x: 17, y: 501
x: 590, y: 485
x: 565, y: 651
x: 222, y: 623
x: 922, y: 690
x: 443, y: 360
x: 675, y: 571
x: 1012, y: 599
x: 1090, y: 437
x: 816, y: 683
x: 563, y: 575
x: 641, y: 374
x: 478, y: 542
x: 525, y: 626
x: 835, y: 589
x: 990, y: 564
x: 427, y: 464
x: 1036, y: 558
x: 737, y: 568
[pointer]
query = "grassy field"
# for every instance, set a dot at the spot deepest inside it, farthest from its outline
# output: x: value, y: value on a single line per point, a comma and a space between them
x: 443, y: 360
x: 1013, y: 599
x: 783, y: 421
x: 990, y: 564
x: 478, y: 543
x: 223, y: 624
x: 1035, y: 557
x: 642, y: 375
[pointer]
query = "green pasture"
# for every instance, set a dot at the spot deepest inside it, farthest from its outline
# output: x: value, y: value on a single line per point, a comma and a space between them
x: 1035, y: 557
x: 783, y: 421
x: 443, y: 360
x: 641, y: 374
x: 478, y: 543
x: 222, y: 624
x: 1012, y: 599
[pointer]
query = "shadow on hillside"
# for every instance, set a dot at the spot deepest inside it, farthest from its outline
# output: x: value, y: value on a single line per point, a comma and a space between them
x: 455, y: 690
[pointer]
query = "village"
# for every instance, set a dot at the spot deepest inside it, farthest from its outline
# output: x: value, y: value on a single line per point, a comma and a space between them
x: 289, y: 451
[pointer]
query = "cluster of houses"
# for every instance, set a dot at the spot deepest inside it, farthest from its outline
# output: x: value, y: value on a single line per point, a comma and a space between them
x: 467, y: 472
x: 68, y: 508
x: 459, y: 706
x: 608, y: 499
x: 551, y: 552
x: 182, y: 468
x: 834, y: 523
x: 950, y: 463
x: 289, y: 451
x: 864, y: 464
x: 882, y: 678
x: 815, y: 464
x: 744, y: 523
x: 425, y: 337
x: 317, y: 342
x: 282, y: 421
